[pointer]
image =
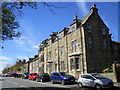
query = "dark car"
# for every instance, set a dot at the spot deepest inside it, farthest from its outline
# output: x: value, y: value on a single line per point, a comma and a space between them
x: 62, y: 77
x: 43, y: 77
x: 25, y: 75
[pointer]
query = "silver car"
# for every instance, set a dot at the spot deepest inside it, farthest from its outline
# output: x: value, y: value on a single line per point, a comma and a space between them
x: 94, y: 80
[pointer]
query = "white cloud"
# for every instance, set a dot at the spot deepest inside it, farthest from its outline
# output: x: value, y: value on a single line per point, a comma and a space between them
x: 82, y: 7
x: 36, y: 47
x: 4, y: 64
x: 4, y: 58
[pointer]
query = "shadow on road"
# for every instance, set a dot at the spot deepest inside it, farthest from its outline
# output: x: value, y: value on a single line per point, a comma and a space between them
x: 36, y: 88
x: 1, y: 79
x: 55, y: 88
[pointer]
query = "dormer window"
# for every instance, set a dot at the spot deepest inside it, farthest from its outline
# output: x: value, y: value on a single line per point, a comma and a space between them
x: 61, y: 36
x: 103, y: 30
x: 73, y: 28
x: 89, y: 27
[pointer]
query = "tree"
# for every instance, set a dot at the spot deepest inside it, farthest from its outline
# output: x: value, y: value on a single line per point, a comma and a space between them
x: 10, y: 11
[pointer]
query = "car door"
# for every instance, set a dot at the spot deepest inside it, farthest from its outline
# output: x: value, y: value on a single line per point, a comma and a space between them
x: 84, y: 80
x: 88, y: 80
x: 57, y: 77
x: 30, y: 76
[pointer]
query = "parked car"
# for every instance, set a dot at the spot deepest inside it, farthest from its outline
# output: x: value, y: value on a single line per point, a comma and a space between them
x: 6, y: 75
x: 32, y: 76
x: 94, y: 80
x: 18, y: 76
x: 11, y: 74
x: 43, y: 77
x: 62, y: 77
x: 25, y: 75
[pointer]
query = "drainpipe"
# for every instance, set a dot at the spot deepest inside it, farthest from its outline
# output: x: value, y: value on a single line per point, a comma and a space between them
x: 82, y: 50
x: 67, y: 54
x: 58, y: 56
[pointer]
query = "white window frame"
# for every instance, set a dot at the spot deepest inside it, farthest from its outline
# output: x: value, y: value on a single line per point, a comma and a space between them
x: 62, y: 50
x: 56, y: 52
x: 74, y: 45
x: 73, y: 29
x: 90, y: 42
x: 105, y: 43
x: 77, y: 63
x: 89, y: 27
x: 71, y: 64
x: 103, y: 30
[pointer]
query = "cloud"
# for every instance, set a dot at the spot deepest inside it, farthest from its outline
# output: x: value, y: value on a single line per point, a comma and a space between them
x: 4, y: 58
x: 4, y: 64
x: 36, y: 47
x: 82, y: 7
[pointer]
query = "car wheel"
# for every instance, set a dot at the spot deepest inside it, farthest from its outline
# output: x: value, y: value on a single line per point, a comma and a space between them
x: 41, y: 80
x: 63, y: 82
x: 37, y: 80
x: 53, y: 82
x: 97, y: 86
x: 80, y: 85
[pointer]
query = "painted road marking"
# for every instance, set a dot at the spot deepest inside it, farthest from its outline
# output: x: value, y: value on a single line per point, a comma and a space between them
x: 22, y: 86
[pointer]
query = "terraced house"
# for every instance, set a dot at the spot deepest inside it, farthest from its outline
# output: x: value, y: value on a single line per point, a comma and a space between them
x: 83, y: 47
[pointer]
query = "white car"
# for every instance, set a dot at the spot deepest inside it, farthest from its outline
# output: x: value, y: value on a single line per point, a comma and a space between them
x: 94, y: 80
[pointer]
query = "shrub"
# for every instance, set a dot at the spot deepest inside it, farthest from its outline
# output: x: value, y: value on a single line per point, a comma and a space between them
x: 107, y: 70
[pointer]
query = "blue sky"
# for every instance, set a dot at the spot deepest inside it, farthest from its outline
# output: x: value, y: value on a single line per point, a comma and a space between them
x: 37, y: 25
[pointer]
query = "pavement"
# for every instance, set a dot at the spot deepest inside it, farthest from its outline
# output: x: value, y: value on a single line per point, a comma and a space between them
x: 117, y: 84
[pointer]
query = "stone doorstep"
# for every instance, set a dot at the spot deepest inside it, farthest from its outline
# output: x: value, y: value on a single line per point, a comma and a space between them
x: 117, y: 84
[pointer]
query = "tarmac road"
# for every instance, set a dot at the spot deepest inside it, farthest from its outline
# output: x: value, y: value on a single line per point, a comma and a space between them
x: 10, y: 83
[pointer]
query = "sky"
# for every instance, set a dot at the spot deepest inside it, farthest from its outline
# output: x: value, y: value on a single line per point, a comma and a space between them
x: 37, y: 24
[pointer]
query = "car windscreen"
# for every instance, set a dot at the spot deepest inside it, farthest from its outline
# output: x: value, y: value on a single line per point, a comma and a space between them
x: 34, y: 74
x: 98, y: 76
x: 26, y: 73
x: 65, y: 74
x: 46, y: 75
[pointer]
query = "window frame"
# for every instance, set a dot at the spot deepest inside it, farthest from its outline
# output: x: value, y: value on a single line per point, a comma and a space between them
x: 71, y: 64
x: 77, y: 63
x: 103, y: 30
x: 90, y: 42
x: 74, y: 45
x: 89, y: 27
x: 62, y: 50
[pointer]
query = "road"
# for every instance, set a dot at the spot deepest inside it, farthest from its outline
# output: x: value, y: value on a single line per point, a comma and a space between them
x: 10, y: 83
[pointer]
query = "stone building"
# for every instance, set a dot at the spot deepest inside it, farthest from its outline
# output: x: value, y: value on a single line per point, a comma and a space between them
x: 34, y: 64
x: 115, y: 51
x: 83, y: 47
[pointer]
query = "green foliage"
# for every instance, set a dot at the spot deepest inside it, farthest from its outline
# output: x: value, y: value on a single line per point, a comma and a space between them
x: 10, y: 11
x: 107, y: 70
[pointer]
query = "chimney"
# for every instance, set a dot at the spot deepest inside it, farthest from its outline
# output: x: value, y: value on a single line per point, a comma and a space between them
x: 94, y: 9
x: 75, y: 18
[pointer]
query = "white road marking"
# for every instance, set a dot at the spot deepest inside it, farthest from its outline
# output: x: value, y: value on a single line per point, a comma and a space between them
x: 8, y: 81
x: 22, y: 86
x: 14, y: 83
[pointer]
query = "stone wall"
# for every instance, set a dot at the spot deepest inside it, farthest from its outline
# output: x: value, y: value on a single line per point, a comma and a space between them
x: 110, y: 76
